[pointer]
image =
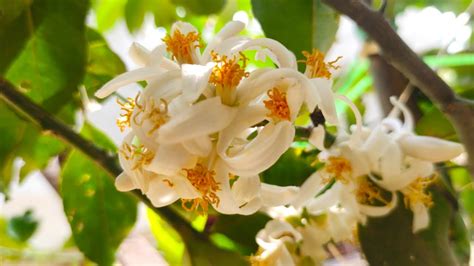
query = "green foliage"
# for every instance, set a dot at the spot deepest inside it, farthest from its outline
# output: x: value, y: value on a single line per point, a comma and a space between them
x: 292, y: 169
x: 22, y: 227
x: 99, y: 215
x: 389, y: 240
x: 9, y: 10
x: 102, y: 63
x: 201, y: 7
x: 300, y: 25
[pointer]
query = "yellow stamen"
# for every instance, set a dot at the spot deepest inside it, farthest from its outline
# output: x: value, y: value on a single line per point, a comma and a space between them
x: 182, y: 46
x: 127, y: 108
x: 140, y: 155
x: 203, y: 180
x: 338, y: 167
x: 168, y: 182
x: 227, y: 74
x: 317, y: 67
x: 415, y: 192
x: 277, y: 105
x: 369, y: 193
x: 156, y: 114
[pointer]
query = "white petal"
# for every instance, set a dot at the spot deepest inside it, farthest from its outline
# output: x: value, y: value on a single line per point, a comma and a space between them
x: 227, y: 203
x: 294, y: 98
x: 195, y: 80
x: 127, y: 78
x: 430, y: 148
x: 317, y: 137
x: 326, y: 95
x: 407, y: 116
x: 139, y: 54
x: 166, y: 86
x: 308, y: 190
x: 277, y: 196
x: 246, y: 188
x: 263, y: 151
x: 200, y: 146
x: 375, y: 145
x: 160, y: 193
x: 231, y: 29
x: 250, y: 207
x: 417, y: 168
x: 203, y: 118
x: 123, y: 183
x: 245, y: 118
x: 169, y: 159
x: 377, y: 211
x: 326, y: 200
x: 391, y: 161
x: 421, y: 217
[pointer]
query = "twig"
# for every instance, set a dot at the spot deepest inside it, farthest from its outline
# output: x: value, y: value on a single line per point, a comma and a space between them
x: 460, y: 111
x: 103, y: 158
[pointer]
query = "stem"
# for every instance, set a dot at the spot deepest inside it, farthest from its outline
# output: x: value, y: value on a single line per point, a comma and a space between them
x: 460, y: 111
x: 106, y: 160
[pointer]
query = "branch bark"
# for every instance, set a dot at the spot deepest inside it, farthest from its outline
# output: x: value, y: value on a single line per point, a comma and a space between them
x: 104, y: 159
x: 460, y: 111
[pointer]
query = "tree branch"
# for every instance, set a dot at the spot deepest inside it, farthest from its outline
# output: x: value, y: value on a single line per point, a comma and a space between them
x: 460, y: 111
x: 103, y: 158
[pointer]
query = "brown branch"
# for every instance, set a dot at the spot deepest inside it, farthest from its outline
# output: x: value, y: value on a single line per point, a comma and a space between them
x: 106, y: 160
x: 460, y: 111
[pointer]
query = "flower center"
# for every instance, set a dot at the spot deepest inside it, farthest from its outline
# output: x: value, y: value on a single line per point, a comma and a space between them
x: 416, y: 192
x: 182, y: 46
x: 127, y: 108
x: 277, y: 105
x: 368, y: 192
x: 156, y: 114
x: 227, y: 74
x: 139, y: 155
x: 316, y: 65
x: 338, y: 167
x: 203, y: 180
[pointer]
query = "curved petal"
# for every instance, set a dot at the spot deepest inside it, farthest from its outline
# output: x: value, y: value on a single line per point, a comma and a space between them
x: 139, y: 54
x: 377, y: 211
x: 294, y: 98
x: 430, y: 148
x: 245, y: 118
x: 317, y: 137
x: 166, y: 86
x: 417, y: 168
x: 203, y: 118
x: 127, y: 78
x: 246, y: 188
x: 421, y: 217
x: 169, y: 159
x: 200, y: 146
x: 250, y: 207
x: 408, y: 123
x: 227, y: 203
x: 195, y: 79
x: 273, y: 195
x: 391, y: 161
x: 231, y: 29
x: 308, y: 190
x: 263, y: 151
x: 324, y: 201
x: 123, y: 183
x: 160, y: 193
x: 327, y: 105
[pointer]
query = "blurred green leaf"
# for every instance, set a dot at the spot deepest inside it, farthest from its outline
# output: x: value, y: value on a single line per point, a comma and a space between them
x: 9, y: 10
x: 315, y: 28
x: 99, y: 215
x: 292, y: 169
x: 22, y: 227
x: 201, y: 7
x: 6, y: 240
x: 135, y: 11
x: 108, y: 12
x: 389, y: 240
x: 45, y: 54
x: 241, y: 229
x: 102, y: 63
x: 165, y: 13
x: 434, y: 123
x: 169, y: 242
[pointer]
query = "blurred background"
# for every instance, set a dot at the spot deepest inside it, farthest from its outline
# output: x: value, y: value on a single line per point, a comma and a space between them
x: 34, y: 228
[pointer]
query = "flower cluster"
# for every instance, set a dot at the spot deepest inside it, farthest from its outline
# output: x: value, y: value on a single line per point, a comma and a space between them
x: 206, y: 126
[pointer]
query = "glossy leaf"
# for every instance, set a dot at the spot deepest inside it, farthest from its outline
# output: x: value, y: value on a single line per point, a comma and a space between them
x: 300, y: 25
x: 46, y: 52
x: 99, y: 215
x: 22, y: 227
x: 291, y: 169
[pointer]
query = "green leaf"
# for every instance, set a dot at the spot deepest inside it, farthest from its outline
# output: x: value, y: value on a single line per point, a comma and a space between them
x: 108, y: 12
x: 300, y: 25
x: 292, y: 169
x: 99, y: 215
x: 102, y: 63
x: 165, y: 13
x: 389, y: 240
x: 135, y: 11
x: 22, y: 227
x: 169, y: 241
x: 241, y: 229
x: 201, y: 7
x: 9, y: 10
x: 46, y: 52
x: 434, y: 123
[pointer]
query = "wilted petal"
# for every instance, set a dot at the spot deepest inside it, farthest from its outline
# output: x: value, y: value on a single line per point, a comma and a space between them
x: 430, y: 148
x: 203, y: 118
